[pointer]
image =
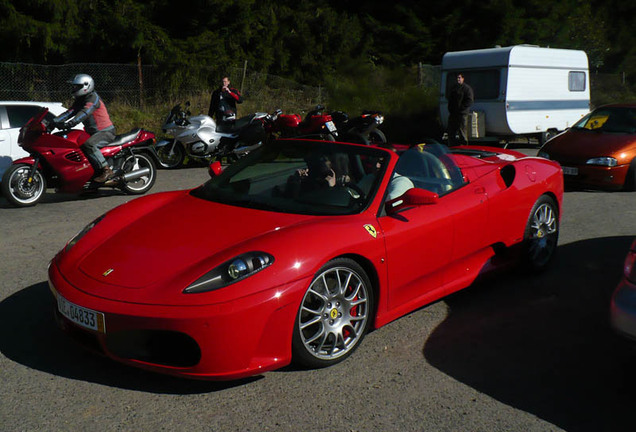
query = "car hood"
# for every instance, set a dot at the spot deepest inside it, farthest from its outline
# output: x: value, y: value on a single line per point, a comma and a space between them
x: 580, y: 145
x: 173, y: 237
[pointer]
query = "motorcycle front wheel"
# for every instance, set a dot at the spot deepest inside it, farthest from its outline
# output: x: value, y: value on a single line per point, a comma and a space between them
x: 142, y: 184
x: 18, y: 189
x: 171, y: 157
x: 377, y: 137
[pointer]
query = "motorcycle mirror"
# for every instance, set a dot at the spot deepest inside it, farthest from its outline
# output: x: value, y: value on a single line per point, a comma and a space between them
x: 215, y: 169
x: 187, y: 104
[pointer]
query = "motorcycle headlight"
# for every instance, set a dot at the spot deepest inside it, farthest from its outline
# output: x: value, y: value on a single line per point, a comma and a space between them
x: 234, y: 270
x: 82, y: 233
x: 379, y: 119
x: 544, y: 155
x: 604, y: 161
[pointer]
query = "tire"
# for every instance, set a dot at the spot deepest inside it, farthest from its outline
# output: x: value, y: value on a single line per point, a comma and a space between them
x: 141, y: 185
x: 168, y: 160
x: 354, y: 137
x: 377, y: 137
x: 17, y: 189
x: 334, y: 315
x: 541, y: 234
x: 630, y: 179
x: 327, y: 137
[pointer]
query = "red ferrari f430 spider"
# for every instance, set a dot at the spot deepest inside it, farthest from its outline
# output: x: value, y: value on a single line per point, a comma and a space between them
x: 297, y: 250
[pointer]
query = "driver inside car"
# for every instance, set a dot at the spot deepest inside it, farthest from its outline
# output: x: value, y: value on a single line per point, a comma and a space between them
x: 321, y: 172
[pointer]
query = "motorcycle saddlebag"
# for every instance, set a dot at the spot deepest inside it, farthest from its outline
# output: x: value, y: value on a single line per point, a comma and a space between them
x: 288, y: 124
x: 289, y: 120
x: 252, y: 133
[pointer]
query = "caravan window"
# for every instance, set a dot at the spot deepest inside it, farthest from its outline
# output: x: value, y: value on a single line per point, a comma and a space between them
x: 576, y: 81
x: 485, y: 83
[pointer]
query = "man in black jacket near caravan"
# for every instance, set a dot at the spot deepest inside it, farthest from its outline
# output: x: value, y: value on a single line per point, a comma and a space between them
x: 460, y: 99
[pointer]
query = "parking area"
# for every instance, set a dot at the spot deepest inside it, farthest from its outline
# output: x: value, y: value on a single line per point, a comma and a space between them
x: 512, y: 352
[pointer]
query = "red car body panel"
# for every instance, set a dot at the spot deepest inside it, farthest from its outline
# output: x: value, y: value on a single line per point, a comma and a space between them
x: 246, y: 328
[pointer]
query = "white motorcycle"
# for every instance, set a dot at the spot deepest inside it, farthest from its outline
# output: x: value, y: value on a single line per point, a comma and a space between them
x: 200, y: 137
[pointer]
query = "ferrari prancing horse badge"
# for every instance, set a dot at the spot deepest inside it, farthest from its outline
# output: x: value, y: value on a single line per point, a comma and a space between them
x: 371, y: 230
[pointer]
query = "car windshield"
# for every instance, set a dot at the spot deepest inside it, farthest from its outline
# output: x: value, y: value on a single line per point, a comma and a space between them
x: 426, y: 166
x: 304, y: 177
x: 609, y: 119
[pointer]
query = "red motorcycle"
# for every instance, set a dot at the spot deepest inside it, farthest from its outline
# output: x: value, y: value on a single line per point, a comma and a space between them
x: 56, y: 160
x: 317, y: 124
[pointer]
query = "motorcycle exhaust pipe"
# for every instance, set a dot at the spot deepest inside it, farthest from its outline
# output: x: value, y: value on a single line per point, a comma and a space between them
x: 246, y: 149
x: 134, y: 175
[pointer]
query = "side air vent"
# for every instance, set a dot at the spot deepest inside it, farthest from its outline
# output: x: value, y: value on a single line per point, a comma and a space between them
x: 74, y: 156
x: 508, y: 174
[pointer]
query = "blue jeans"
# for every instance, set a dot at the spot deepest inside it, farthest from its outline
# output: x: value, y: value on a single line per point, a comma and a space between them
x: 94, y: 143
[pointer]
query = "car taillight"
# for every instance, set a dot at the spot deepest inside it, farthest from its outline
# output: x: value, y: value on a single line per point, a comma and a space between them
x: 630, y: 264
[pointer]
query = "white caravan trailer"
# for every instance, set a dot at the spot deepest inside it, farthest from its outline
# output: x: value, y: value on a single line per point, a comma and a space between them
x: 521, y: 90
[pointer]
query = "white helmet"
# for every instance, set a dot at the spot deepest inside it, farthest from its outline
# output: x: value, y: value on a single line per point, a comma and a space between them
x: 82, y: 85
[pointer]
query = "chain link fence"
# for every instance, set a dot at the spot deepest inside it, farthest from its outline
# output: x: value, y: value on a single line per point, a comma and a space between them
x: 611, y: 88
x: 21, y: 81
x: 136, y: 85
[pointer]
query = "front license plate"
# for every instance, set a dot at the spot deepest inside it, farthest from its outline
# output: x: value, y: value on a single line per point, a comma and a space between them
x: 570, y: 171
x: 83, y: 317
x: 330, y: 126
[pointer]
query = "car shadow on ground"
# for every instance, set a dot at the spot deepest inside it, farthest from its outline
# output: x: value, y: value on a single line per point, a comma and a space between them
x: 30, y: 337
x: 543, y: 344
x: 51, y: 197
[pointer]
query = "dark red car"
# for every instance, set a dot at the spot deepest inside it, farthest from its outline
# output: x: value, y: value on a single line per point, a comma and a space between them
x: 599, y: 151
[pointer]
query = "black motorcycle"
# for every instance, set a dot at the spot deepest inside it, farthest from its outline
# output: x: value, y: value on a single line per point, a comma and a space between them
x: 362, y: 129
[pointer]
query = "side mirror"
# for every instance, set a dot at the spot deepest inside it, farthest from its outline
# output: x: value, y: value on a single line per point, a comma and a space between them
x: 411, y: 198
x: 215, y: 169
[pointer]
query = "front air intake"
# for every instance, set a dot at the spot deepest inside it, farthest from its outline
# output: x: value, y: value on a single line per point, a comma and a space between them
x: 75, y: 156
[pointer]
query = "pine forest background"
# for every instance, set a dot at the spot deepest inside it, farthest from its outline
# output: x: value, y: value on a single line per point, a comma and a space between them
x: 348, y: 55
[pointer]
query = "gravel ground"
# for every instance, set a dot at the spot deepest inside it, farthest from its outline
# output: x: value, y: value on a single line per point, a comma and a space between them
x: 509, y: 353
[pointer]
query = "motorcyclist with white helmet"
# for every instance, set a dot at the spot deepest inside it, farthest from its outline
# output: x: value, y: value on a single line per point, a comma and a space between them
x: 89, y: 109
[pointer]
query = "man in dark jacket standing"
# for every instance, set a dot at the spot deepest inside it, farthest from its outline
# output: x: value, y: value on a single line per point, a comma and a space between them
x: 460, y: 99
x: 223, y: 103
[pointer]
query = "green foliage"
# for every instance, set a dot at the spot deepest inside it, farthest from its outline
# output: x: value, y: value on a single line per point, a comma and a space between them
x: 304, y: 41
x: 363, y: 53
x: 126, y: 117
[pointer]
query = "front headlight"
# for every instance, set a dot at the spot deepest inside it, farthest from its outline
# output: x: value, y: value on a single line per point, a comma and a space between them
x: 604, y: 161
x: 544, y: 155
x: 82, y: 233
x: 231, y: 271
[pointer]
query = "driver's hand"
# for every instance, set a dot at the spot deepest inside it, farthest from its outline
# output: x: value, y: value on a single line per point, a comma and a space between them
x: 331, y: 178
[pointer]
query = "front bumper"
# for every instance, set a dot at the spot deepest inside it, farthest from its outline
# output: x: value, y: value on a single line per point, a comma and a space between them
x: 597, y: 176
x: 223, y: 341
